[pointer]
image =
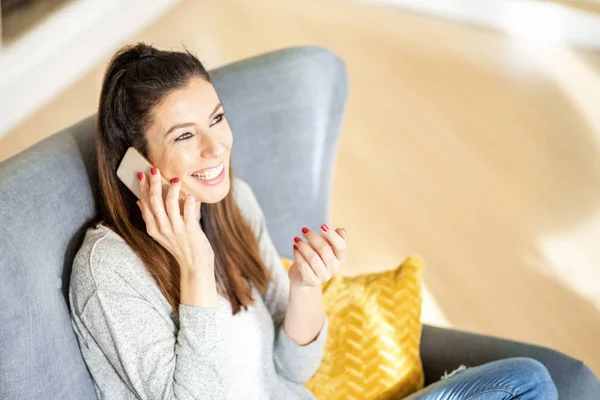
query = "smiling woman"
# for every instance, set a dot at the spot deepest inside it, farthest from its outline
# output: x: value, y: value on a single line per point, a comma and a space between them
x: 190, y: 144
x: 158, y: 297
x: 171, y: 121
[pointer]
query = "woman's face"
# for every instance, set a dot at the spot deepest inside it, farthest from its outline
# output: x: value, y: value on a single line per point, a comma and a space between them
x: 188, y: 135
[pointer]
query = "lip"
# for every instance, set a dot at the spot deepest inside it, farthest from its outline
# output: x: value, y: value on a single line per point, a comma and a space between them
x: 201, y: 171
x: 218, y: 179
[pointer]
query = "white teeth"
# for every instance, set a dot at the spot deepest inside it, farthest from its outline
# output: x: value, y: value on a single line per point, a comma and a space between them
x: 210, y: 174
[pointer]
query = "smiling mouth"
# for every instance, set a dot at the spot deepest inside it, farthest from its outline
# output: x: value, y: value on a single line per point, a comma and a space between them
x: 209, y: 174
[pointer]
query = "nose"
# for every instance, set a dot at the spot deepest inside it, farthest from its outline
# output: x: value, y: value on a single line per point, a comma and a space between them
x: 211, y: 147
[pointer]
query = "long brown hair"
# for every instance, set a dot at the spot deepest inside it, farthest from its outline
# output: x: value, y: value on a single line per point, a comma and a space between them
x: 137, y: 78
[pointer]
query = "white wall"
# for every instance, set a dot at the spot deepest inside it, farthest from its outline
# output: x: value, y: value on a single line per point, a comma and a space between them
x: 541, y: 21
x: 63, y: 48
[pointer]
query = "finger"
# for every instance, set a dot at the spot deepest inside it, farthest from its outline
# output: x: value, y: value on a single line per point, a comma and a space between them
x: 313, y: 259
x: 338, y: 243
x: 342, y: 232
x: 157, y: 204
x: 307, y: 275
x: 340, y: 257
x: 143, y: 181
x: 189, y: 211
x: 324, y: 249
x: 172, y: 205
x: 151, y: 227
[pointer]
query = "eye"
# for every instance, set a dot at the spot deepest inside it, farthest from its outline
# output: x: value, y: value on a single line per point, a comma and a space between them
x: 184, y: 137
x: 219, y: 118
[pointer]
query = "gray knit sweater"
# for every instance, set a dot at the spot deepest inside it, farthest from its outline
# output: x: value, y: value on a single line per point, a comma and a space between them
x: 135, y: 348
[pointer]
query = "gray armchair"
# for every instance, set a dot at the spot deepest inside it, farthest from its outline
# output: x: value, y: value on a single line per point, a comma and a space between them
x: 285, y: 109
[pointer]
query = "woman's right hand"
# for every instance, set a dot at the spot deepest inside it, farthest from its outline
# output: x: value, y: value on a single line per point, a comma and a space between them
x: 180, y: 234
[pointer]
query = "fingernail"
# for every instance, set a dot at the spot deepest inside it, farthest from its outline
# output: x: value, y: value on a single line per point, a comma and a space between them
x: 153, y: 171
x: 295, y: 247
x: 297, y: 239
x: 175, y: 180
x: 305, y: 230
x: 324, y: 227
x: 140, y: 176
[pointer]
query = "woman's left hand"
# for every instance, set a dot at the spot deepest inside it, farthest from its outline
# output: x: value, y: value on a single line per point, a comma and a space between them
x: 318, y: 259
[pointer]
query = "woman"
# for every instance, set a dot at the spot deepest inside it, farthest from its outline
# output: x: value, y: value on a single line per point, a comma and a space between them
x: 189, y: 300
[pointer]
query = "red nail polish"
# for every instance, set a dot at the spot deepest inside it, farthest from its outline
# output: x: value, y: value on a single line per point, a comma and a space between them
x: 140, y: 176
x: 324, y: 227
x: 295, y: 247
x: 297, y: 239
x: 153, y: 171
x: 304, y: 230
x: 175, y: 180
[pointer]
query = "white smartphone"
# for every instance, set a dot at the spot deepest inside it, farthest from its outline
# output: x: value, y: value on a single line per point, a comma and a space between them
x: 132, y: 163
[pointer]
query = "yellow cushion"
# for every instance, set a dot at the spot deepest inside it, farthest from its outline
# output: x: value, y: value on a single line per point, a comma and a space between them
x: 372, y: 348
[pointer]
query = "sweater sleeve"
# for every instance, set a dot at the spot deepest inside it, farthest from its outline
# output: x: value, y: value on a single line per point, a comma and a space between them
x: 140, y: 345
x: 294, y: 362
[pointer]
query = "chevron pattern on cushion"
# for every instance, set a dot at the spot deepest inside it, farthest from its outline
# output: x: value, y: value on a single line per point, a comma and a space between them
x: 372, y: 348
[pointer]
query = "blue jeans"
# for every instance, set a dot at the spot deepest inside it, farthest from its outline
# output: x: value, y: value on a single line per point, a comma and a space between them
x: 512, y: 378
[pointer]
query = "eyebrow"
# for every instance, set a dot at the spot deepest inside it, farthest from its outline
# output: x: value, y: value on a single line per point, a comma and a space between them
x: 184, y: 124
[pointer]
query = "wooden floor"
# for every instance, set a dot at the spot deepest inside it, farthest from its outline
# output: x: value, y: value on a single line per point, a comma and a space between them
x: 479, y: 152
